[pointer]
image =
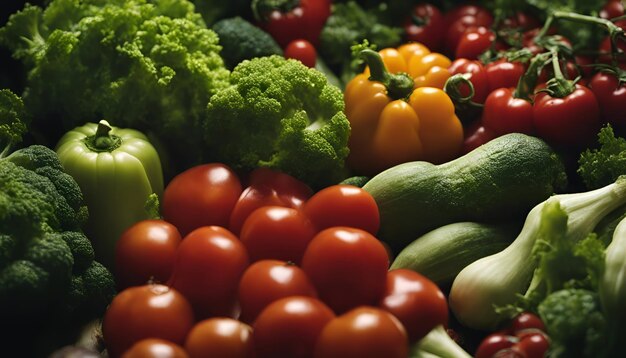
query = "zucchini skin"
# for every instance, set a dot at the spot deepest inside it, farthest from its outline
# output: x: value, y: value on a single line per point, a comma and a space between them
x: 498, y: 181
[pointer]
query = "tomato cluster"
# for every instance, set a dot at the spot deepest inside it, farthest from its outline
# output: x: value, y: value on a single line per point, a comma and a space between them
x: 264, y: 267
x: 524, y: 337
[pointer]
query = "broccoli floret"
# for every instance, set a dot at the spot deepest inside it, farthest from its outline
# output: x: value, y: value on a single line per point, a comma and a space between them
x: 81, y: 249
x: 574, y: 323
x: 90, y: 292
x: 12, y: 120
x: 602, y: 166
x: 241, y: 40
x: 280, y: 114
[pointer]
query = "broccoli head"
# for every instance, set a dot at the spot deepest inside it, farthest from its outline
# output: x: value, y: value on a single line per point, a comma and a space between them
x: 12, y: 120
x: 603, y: 165
x: 280, y: 114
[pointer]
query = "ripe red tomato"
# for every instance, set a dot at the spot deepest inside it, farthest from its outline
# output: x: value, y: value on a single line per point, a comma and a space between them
x: 462, y: 18
x: 525, y: 321
x: 220, y: 337
x: 149, y: 311
x: 425, y: 25
x: 473, y: 42
x: 303, y: 51
x: 476, y: 74
x: 363, y: 332
x: 209, y: 264
x: 494, y: 343
x: 289, y: 327
x: 612, y: 9
x: 348, y: 267
x: 144, y: 252
x: 503, y: 113
x: 276, y: 232
x: 611, y: 96
x: 416, y: 301
x: 343, y: 205
x: 154, y: 347
x: 476, y: 135
x: 503, y: 74
x: 200, y: 196
x: 267, y: 281
x: 533, y: 345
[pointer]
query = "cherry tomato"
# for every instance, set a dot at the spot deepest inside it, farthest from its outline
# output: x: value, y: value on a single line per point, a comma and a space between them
x: 209, y: 264
x: 604, y: 51
x: 467, y: 9
x: 612, y: 9
x: 267, y: 281
x: 461, y: 18
x: 611, y: 96
x: 503, y: 74
x: 343, y: 205
x: 268, y: 187
x: 200, y: 196
x: 290, y: 327
x: 276, y: 232
x: 146, y: 251
x: 149, y: 311
x: 534, y: 345
x: 525, y: 321
x: 348, y: 267
x: 303, y: 51
x: 363, y: 332
x: 476, y: 74
x: 503, y: 113
x: 416, y: 301
x: 425, y: 25
x: 475, y: 136
x: 572, y: 121
x: 473, y: 42
x: 520, y: 21
x: 220, y: 337
x: 153, y: 347
x: 494, y: 343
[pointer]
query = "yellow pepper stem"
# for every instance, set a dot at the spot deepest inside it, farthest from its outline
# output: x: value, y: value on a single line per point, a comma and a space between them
x: 399, y: 86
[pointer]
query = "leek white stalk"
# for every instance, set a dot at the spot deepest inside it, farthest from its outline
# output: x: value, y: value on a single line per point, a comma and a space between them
x: 498, y: 279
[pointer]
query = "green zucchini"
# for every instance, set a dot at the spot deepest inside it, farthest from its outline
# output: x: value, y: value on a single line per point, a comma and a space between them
x: 442, y: 253
x: 500, y: 180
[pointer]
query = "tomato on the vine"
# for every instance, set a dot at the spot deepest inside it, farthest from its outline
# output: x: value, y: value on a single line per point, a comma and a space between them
x: 525, y: 321
x: 473, y: 42
x: 461, y: 18
x: 154, y: 347
x: 475, y: 72
x: 364, y: 332
x: 348, y: 267
x: 267, y: 281
x: 302, y: 50
x: 503, y: 74
x: 209, y: 264
x: 149, y: 311
x: 425, y: 25
x: 494, y: 343
x: 611, y: 96
x: 504, y: 113
x: 220, y: 337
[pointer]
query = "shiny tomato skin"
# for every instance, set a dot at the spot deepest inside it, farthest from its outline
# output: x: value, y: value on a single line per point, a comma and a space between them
x: 364, y: 332
x: 149, y: 311
x: 525, y: 321
x: 611, y: 96
x: 428, y: 33
x: 209, y: 264
x: 200, y: 196
x: 473, y: 42
x: 290, y: 327
x: 503, y: 113
x: 146, y: 251
x: 266, y: 281
x: 220, y: 337
x: 303, y: 51
x: 476, y: 134
x: 569, y: 122
x: 154, y: 347
x: 415, y: 301
x: 343, y: 205
x: 276, y: 232
x: 476, y: 75
x: 503, y: 74
x: 461, y: 18
x: 612, y: 9
x: 348, y: 267
x: 534, y: 345
x: 494, y: 343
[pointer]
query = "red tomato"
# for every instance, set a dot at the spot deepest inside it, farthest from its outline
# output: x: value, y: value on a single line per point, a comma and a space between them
x: 268, y: 187
x: 149, y: 311
x: 462, y: 18
x: 612, y: 9
x: 343, y: 205
x: 493, y: 344
x: 364, y: 332
x: 467, y: 9
x: 503, y: 113
x: 348, y: 267
x: 605, y: 55
x: 503, y: 74
x: 289, y: 327
x: 267, y: 281
x: 534, y: 345
x: 520, y: 21
x: 153, y: 347
x: 476, y: 74
x: 416, y: 301
x: 475, y: 136
x: 209, y: 264
x: 611, y: 96
x: 220, y: 337
x: 572, y: 121
x: 425, y: 25
x: 200, y: 196
x: 146, y: 251
x: 525, y: 321
x: 276, y: 232
x: 303, y: 51
x: 473, y: 42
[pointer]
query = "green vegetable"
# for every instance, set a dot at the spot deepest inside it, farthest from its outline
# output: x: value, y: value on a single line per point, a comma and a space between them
x: 501, y: 180
x: 612, y: 287
x: 437, y: 343
x: 442, y: 253
x: 117, y: 170
x: 150, y: 64
x: 600, y: 166
x: 280, y: 114
x: 497, y: 280
x: 42, y: 248
x: 214, y: 10
x: 359, y: 180
x: 240, y: 40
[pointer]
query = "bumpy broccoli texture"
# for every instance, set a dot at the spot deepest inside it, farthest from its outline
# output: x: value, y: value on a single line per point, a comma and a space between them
x: 151, y: 65
x: 48, y: 276
x: 280, y: 114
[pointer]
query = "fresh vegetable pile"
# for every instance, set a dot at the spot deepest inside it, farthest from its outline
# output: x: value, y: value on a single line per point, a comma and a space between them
x: 313, y: 178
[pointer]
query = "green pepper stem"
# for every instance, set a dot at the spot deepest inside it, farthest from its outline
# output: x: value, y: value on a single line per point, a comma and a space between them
x: 262, y: 8
x: 398, y: 85
x: 103, y: 140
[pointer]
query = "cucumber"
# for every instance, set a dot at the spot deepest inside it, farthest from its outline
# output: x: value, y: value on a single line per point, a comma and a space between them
x: 442, y: 253
x: 500, y: 180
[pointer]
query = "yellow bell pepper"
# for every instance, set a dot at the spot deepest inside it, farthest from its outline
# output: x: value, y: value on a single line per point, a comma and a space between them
x: 393, y: 122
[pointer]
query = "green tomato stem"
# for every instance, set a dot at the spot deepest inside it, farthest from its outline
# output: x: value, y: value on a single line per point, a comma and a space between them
x: 398, y: 85
x: 103, y: 140
x: 526, y: 84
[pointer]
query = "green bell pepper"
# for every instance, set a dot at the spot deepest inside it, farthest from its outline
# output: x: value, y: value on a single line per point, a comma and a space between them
x: 117, y: 170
